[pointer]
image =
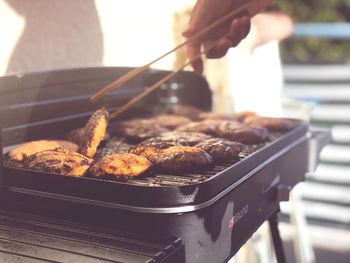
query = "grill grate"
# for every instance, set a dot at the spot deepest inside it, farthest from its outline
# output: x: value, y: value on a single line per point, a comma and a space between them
x: 155, y: 179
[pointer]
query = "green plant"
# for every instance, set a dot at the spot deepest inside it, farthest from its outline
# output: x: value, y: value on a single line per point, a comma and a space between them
x: 316, y: 50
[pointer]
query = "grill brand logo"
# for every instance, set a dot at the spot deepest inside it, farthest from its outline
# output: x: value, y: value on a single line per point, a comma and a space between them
x: 237, y: 217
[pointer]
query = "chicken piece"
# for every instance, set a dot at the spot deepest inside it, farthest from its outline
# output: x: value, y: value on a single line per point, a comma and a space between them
x: 121, y: 165
x: 187, y: 111
x: 59, y: 161
x: 25, y: 150
x: 243, y: 134
x: 221, y: 150
x: 162, y: 142
x: 240, y: 116
x: 181, y: 158
x: 186, y: 138
x: 215, y: 116
x: 139, y: 129
x: 170, y: 121
x: 206, y: 126
x: 94, y: 132
x: 149, y: 152
x: 272, y: 124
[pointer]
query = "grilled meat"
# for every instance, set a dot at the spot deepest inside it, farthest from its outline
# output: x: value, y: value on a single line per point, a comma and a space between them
x: 242, y: 115
x: 180, y: 158
x: 206, y: 126
x: 121, y: 164
x: 185, y: 138
x: 162, y: 142
x: 25, y: 150
x: 187, y: 111
x: 59, y: 161
x: 215, y: 116
x: 170, y: 121
x: 139, y: 129
x: 221, y: 150
x: 237, y: 116
x: 94, y: 132
x: 149, y: 152
x: 243, y: 134
x: 272, y: 124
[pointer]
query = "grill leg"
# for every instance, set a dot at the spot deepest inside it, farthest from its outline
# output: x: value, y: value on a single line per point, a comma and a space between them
x: 276, y: 238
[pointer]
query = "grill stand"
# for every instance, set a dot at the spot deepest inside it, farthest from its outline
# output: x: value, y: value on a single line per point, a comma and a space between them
x: 276, y: 238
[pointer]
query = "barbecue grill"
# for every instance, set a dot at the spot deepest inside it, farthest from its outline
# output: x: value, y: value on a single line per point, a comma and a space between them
x: 204, y: 216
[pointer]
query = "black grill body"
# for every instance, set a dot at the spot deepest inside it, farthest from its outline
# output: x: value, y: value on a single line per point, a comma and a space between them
x: 213, y: 216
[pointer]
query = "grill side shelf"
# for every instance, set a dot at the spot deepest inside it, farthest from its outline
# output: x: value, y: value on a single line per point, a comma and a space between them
x: 27, y: 236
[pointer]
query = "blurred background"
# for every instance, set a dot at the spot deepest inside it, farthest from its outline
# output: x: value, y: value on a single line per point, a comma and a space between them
x: 305, y: 75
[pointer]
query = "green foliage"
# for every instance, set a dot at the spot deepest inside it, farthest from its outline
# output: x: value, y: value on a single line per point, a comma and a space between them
x: 311, y: 49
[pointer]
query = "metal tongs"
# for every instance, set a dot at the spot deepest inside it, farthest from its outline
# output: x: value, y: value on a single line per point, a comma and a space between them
x: 249, y: 9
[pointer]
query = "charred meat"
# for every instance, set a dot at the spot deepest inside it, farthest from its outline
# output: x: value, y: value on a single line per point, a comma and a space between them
x: 221, y: 150
x: 25, y: 150
x: 139, y: 129
x: 215, y: 116
x: 149, y: 152
x: 162, y: 142
x: 170, y: 121
x: 243, y: 134
x: 59, y: 161
x: 206, y: 126
x: 186, y: 138
x: 272, y: 124
x: 242, y: 115
x: 180, y: 158
x: 121, y: 165
x: 93, y: 133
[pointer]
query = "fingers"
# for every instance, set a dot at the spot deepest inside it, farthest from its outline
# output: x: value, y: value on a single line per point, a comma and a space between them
x: 193, y: 51
x: 216, y: 47
x: 239, y: 30
x: 219, y: 49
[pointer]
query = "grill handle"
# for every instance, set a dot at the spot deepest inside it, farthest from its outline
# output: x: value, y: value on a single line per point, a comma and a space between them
x: 319, y: 138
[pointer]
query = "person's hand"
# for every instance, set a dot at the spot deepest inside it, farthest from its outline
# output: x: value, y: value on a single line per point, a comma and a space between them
x: 206, y: 12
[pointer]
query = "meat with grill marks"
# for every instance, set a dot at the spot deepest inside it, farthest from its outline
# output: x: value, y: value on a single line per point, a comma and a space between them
x: 25, y: 150
x: 139, y: 129
x: 215, y: 116
x: 185, y: 138
x: 221, y: 150
x: 243, y: 134
x: 206, y: 126
x: 59, y: 161
x: 121, y: 165
x: 149, y: 152
x: 237, y: 116
x: 242, y: 115
x: 181, y: 158
x: 162, y: 142
x: 170, y: 121
x: 94, y: 132
x: 272, y: 124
